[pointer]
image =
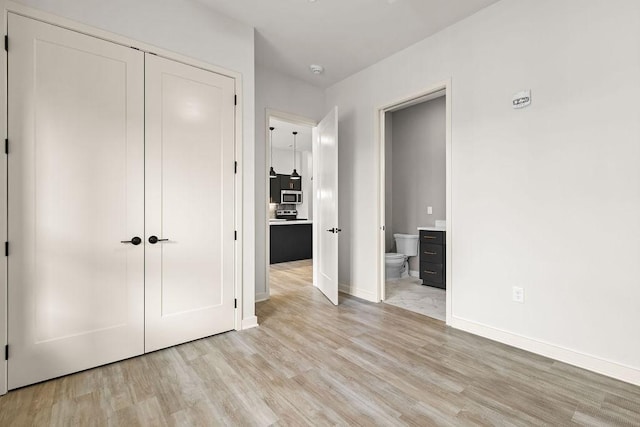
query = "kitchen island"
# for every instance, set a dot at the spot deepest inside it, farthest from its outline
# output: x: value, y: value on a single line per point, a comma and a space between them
x: 290, y: 240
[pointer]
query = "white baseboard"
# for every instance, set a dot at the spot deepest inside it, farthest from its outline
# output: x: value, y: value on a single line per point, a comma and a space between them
x: 414, y: 273
x: 586, y: 361
x: 358, y: 292
x: 262, y: 297
x: 249, y: 322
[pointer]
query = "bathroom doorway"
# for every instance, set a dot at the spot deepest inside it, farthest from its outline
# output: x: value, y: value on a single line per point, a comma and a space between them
x: 415, y: 261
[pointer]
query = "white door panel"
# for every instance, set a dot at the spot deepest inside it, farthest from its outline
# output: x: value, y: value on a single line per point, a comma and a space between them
x: 326, y: 205
x: 190, y: 202
x: 76, y: 189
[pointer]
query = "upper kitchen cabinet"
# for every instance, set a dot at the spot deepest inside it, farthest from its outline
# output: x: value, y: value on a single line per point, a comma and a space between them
x: 274, y: 190
x: 286, y: 183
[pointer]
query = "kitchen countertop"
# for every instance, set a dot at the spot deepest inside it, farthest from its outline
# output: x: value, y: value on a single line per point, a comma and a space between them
x: 296, y: 222
x: 432, y: 228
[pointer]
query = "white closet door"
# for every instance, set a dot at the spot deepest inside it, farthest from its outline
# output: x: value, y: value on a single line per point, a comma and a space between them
x: 189, y: 203
x: 76, y: 190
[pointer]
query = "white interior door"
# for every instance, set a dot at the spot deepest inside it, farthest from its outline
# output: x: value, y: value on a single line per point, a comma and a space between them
x: 325, y: 182
x: 189, y: 203
x: 76, y: 190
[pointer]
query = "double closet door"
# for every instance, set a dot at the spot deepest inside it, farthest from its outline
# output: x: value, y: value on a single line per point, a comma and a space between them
x: 121, y: 202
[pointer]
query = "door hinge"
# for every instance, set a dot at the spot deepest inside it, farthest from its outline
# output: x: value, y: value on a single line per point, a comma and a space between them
x: 235, y: 167
x: 235, y: 303
x: 6, y: 43
x: 6, y: 146
x: 235, y: 99
x: 6, y: 352
x: 6, y: 248
x: 235, y: 235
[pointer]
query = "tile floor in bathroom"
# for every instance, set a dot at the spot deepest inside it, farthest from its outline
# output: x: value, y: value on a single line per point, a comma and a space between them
x: 410, y: 294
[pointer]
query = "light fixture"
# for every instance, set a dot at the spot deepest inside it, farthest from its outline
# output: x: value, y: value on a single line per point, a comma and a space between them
x: 272, y: 173
x: 294, y: 175
x: 316, y: 69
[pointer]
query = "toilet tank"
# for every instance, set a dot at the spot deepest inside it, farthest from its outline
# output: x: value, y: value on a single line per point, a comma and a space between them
x: 407, y: 244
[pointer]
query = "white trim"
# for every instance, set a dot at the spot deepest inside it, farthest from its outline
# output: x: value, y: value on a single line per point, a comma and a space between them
x: 290, y: 118
x: 435, y: 91
x: 3, y: 212
x: 250, y: 322
x: 262, y: 297
x: 357, y: 292
x: 243, y: 294
x: 562, y: 354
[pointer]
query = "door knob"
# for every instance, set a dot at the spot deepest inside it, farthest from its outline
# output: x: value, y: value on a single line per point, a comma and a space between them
x: 135, y: 241
x: 334, y: 230
x: 154, y: 239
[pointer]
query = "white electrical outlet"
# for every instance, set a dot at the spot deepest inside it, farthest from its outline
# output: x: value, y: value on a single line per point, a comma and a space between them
x: 518, y: 294
x: 429, y: 210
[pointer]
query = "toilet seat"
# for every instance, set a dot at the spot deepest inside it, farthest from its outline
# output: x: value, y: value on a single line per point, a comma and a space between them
x: 395, y: 257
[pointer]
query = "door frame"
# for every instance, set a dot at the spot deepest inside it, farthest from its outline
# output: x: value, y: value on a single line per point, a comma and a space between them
x: 19, y: 9
x: 296, y: 120
x: 436, y: 91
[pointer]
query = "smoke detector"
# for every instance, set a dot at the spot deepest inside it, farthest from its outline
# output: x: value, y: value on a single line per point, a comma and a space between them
x: 316, y: 69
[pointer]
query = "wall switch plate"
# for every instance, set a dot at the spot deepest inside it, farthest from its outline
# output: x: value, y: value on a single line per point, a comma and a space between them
x: 430, y: 210
x: 518, y: 294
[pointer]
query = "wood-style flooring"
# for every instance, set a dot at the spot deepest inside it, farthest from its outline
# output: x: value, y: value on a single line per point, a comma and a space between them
x: 310, y: 363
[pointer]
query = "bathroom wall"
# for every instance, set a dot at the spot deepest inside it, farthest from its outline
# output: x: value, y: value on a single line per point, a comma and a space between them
x: 388, y: 185
x: 418, y: 159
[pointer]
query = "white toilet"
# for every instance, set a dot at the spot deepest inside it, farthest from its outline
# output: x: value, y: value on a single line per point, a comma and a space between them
x: 397, y: 264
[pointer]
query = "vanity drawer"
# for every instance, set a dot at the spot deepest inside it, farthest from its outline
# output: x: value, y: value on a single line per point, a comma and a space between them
x: 432, y: 237
x: 433, y: 254
x: 432, y: 272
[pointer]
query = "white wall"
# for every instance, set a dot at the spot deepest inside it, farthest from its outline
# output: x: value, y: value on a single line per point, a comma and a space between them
x: 279, y: 92
x: 547, y: 198
x: 191, y: 29
x: 419, y: 173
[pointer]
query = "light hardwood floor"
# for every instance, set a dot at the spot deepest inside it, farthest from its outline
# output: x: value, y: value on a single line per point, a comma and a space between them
x: 310, y: 363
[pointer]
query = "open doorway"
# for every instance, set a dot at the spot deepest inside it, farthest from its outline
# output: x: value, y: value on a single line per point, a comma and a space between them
x: 415, y: 203
x: 289, y: 201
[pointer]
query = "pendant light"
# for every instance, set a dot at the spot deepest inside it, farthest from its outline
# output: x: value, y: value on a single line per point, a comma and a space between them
x: 294, y: 175
x: 272, y: 173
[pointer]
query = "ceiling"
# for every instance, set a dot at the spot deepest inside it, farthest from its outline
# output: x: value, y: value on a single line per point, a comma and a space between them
x: 344, y: 36
x: 283, y: 135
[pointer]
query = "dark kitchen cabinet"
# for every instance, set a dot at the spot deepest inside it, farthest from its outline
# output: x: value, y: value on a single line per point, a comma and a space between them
x: 274, y: 190
x: 282, y: 182
x: 433, y: 265
x: 291, y: 242
x: 286, y: 183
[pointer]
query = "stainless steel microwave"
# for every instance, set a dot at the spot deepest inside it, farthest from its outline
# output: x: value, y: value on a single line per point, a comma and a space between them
x: 290, y: 197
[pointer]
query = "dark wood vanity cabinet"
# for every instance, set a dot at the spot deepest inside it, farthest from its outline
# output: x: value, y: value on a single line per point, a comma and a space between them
x: 433, y: 258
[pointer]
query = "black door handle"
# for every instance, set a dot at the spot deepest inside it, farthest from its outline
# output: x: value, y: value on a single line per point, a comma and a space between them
x: 135, y: 241
x: 334, y: 230
x: 154, y: 239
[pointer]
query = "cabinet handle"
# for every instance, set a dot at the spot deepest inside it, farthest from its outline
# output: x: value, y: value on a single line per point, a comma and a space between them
x: 431, y: 253
x: 430, y: 237
x: 430, y: 272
